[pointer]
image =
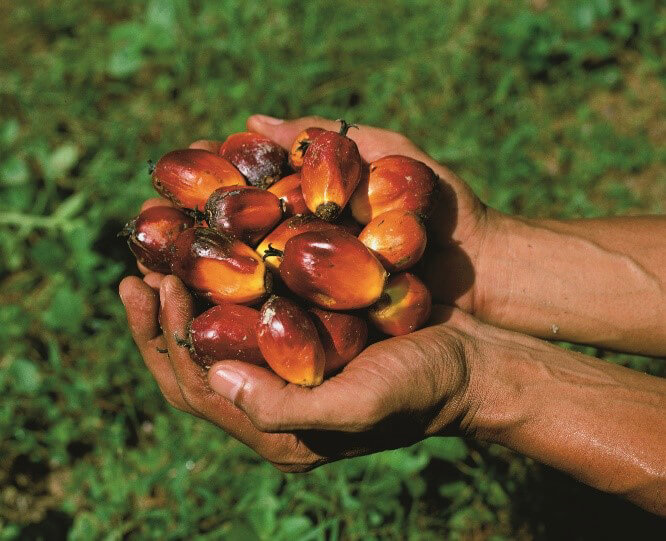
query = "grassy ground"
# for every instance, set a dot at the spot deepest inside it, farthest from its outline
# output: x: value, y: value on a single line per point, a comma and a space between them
x: 546, y: 108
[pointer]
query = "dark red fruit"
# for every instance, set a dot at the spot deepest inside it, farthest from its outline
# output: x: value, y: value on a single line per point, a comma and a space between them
x: 188, y: 177
x: 261, y: 160
x: 332, y: 269
x: 289, y: 342
x: 394, y: 183
x: 225, y: 332
x: 403, y: 307
x: 289, y: 191
x: 290, y: 228
x: 343, y: 336
x: 150, y: 236
x: 246, y: 212
x: 219, y: 267
x: 331, y: 171
x: 397, y: 238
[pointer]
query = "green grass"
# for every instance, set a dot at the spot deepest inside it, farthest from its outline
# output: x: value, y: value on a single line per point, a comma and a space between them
x: 545, y: 108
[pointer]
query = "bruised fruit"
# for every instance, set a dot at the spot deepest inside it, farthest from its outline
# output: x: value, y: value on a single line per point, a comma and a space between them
x: 301, y: 144
x: 332, y: 269
x: 261, y: 160
x: 331, y: 171
x: 403, y: 307
x: 290, y: 228
x: 246, y: 212
x: 289, y: 342
x: 343, y: 336
x: 227, y: 331
x: 188, y: 177
x: 151, y: 234
x: 289, y: 191
x: 397, y: 238
x: 394, y: 182
x: 219, y: 267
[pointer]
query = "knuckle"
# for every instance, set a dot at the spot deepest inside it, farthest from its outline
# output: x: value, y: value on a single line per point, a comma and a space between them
x: 263, y: 419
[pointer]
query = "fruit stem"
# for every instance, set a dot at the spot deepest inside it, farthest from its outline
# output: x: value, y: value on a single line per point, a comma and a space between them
x: 271, y: 252
x: 127, y: 230
x: 303, y: 146
x: 344, y: 126
x: 151, y: 167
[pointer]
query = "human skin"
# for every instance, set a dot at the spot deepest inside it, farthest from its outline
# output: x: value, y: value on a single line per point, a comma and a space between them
x: 602, y: 423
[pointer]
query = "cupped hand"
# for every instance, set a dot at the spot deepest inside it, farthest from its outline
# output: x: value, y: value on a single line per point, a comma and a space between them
x: 395, y: 393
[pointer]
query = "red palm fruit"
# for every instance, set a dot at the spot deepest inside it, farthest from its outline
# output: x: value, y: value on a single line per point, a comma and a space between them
x: 403, y: 307
x: 261, y: 160
x: 397, y: 238
x: 290, y: 228
x: 301, y: 144
x: 246, y: 212
x: 188, y: 177
x: 151, y: 234
x: 331, y: 171
x: 331, y: 269
x: 227, y: 331
x: 343, y: 336
x: 288, y: 189
x: 219, y: 267
x: 394, y: 182
x: 289, y: 342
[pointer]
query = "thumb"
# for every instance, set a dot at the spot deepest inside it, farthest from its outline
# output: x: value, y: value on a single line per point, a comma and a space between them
x: 275, y: 406
x: 283, y: 132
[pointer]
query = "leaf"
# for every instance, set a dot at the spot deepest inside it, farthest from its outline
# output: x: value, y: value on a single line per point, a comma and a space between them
x: 26, y: 376
x: 65, y: 311
x: 449, y: 449
x: 14, y: 171
x: 60, y: 161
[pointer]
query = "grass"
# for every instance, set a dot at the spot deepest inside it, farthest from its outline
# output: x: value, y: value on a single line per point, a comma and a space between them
x: 546, y: 109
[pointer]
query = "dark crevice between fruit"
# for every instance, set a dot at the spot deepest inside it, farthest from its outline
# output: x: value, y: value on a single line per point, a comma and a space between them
x: 151, y: 167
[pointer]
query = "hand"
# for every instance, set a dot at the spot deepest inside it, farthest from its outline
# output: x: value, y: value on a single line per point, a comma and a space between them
x: 395, y: 393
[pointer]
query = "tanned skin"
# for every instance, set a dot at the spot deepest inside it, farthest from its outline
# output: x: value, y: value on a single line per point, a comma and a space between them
x: 480, y: 370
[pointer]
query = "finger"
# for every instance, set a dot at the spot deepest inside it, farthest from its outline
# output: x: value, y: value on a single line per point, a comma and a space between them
x: 153, y: 279
x: 142, y: 268
x: 206, y: 144
x: 155, y: 202
x: 373, y: 143
x: 193, y: 383
x: 157, y: 362
x: 276, y: 406
x: 141, y: 308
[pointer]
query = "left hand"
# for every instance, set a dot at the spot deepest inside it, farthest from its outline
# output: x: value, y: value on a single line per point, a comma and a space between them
x: 395, y: 393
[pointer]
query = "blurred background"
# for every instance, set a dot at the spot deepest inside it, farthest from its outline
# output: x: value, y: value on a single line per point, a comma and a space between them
x: 545, y: 108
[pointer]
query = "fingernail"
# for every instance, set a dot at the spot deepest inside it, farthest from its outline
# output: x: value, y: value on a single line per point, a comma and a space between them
x: 227, y: 383
x: 269, y: 119
x: 121, y: 298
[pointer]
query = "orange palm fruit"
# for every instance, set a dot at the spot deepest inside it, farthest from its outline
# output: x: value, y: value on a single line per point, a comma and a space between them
x: 219, y: 267
x: 227, y: 331
x: 288, y: 189
x: 403, y: 307
x: 246, y: 212
x: 188, y: 177
x: 152, y: 233
x: 289, y: 342
x: 343, y: 336
x: 331, y: 269
x: 260, y: 160
x: 397, y: 238
x: 290, y: 228
x: 394, y: 182
x: 331, y: 171
x: 301, y: 144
